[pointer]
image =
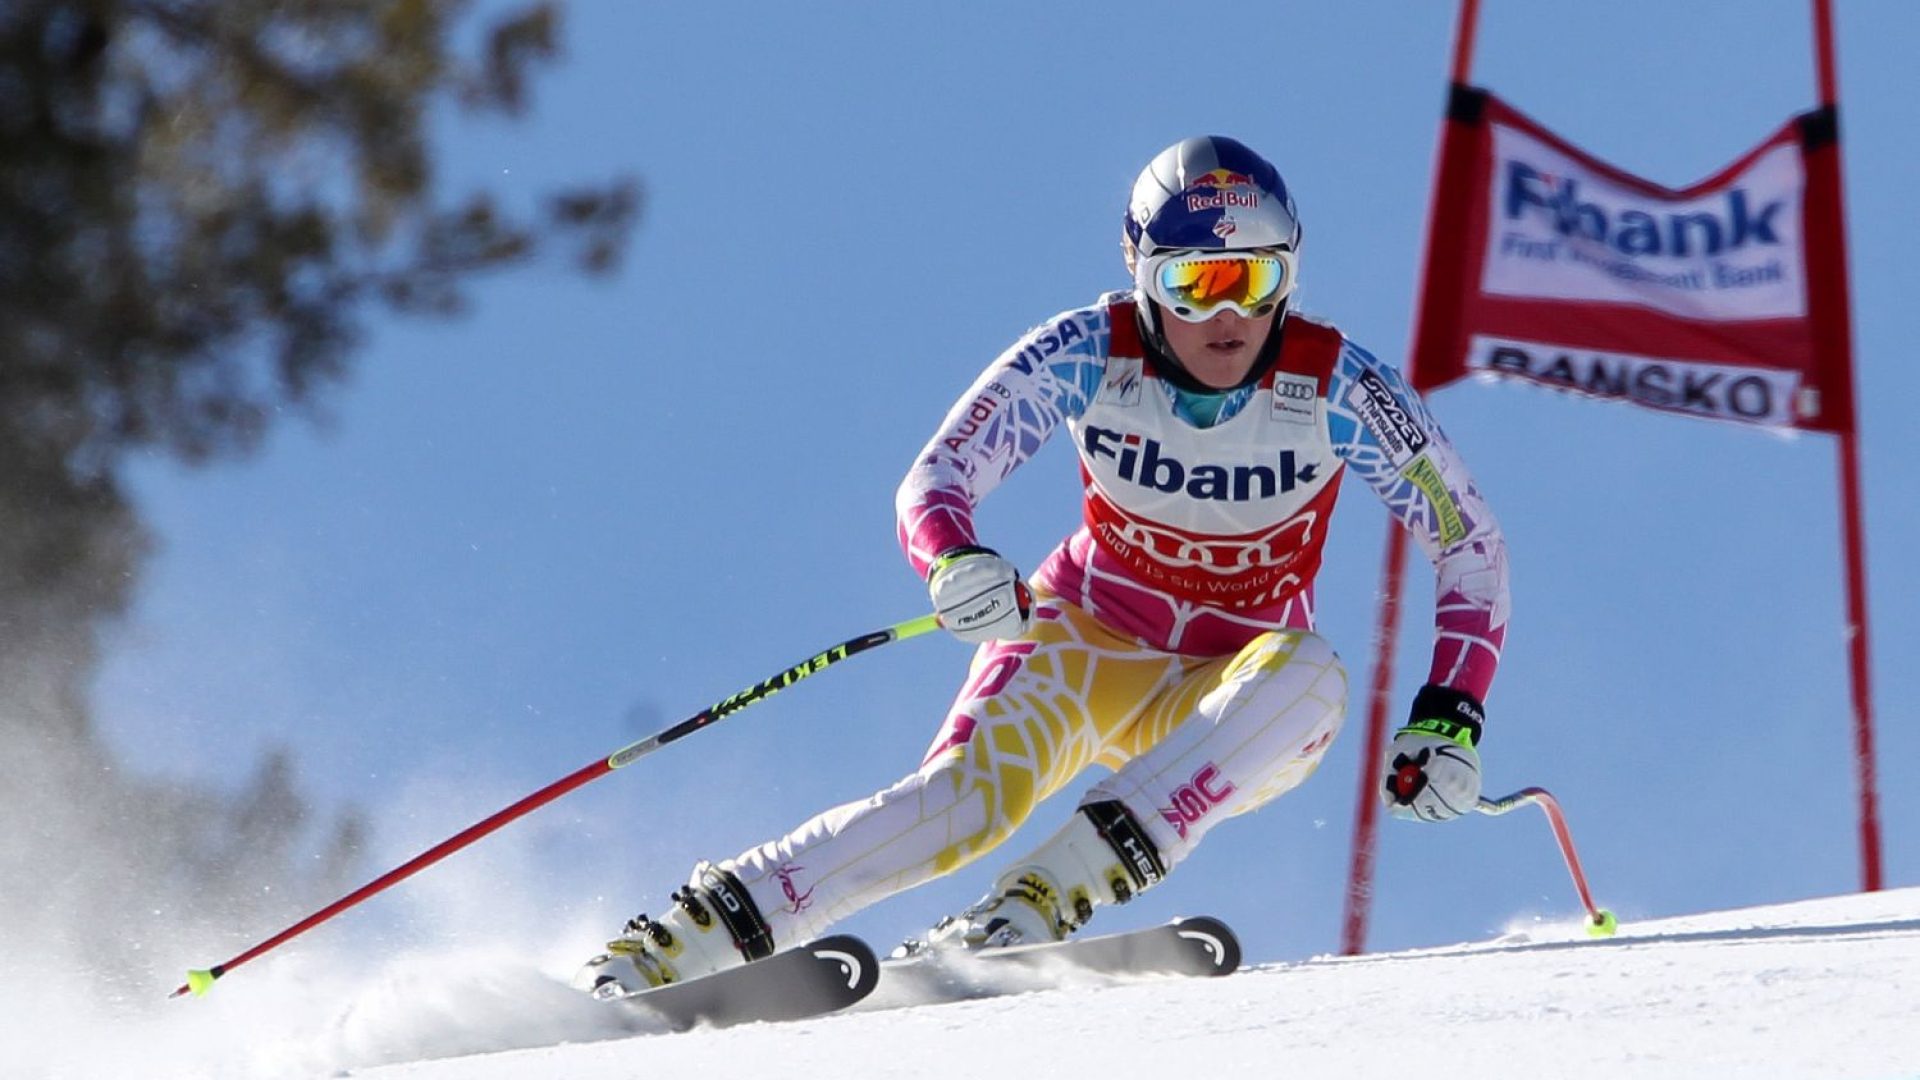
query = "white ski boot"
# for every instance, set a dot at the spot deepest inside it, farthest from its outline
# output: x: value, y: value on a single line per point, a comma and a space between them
x: 713, y: 925
x: 1023, y: 908
x: 1101, y: 856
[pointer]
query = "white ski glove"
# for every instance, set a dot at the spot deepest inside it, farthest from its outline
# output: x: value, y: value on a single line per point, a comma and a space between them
x: 979, y: 596
x: 1433, y: 770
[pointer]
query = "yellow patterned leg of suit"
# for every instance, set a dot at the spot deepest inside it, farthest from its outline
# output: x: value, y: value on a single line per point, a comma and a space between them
x: 1033, y: 715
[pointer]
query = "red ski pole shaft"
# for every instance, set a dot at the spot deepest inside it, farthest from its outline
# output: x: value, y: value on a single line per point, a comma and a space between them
x: 199, y: 981
x: 1601, y: 922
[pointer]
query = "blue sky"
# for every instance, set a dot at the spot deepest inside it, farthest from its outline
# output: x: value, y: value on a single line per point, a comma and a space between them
x: 589, y: 508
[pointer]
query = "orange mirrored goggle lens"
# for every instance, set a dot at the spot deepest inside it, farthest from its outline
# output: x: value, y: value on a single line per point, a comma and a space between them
x: 1202, y: 283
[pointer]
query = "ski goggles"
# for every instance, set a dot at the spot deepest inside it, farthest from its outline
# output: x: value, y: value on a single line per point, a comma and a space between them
x: 1197, y: 285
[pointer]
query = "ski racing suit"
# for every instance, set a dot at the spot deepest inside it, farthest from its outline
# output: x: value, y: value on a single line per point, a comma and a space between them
x: 1172, y: 637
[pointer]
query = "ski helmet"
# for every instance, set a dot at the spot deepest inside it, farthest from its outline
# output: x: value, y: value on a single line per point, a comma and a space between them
x: 1208, y: 193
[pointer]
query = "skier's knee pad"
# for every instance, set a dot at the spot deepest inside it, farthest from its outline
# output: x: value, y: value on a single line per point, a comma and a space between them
x: 1275, y: 653
x: 1259, y: 729
x: 1290, y: 679
x: 1283, y: 715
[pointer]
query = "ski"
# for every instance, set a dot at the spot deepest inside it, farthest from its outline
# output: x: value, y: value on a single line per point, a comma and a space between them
x: 1194, y: 946
x: 811, y: 980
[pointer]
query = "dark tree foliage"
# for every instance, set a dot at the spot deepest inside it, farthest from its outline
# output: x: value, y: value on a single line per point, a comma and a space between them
x: 200, y: 203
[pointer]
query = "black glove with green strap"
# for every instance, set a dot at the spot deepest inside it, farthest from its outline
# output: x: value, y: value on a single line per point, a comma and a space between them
x: 1433, y: 770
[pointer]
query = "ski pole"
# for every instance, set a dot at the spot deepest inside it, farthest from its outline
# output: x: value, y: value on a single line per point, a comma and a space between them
x: 199, y: 981
x: 1600, y: 921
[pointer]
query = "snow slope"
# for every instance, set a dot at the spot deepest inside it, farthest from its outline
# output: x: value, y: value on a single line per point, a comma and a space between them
x: 1813, y: 989
x: 1821, y: 988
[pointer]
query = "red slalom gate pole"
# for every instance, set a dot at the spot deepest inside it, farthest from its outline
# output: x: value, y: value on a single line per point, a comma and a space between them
x: 199, y: 981
x: 1366, y: 817
x: 1366, y: 814
x: 1839, y: 339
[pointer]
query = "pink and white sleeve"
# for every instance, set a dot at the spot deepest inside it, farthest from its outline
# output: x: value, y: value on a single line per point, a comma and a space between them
x: 1391, y: 441
x: 1003, y: 419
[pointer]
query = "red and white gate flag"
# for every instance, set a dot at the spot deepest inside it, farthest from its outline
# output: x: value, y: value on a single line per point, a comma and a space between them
x: 1724, y: 300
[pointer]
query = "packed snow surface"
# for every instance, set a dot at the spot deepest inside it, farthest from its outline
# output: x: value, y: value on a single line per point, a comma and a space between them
x: 1819, y: 988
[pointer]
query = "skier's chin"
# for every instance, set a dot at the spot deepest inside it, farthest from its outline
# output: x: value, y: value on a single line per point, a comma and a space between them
x: 1222, y: 365
x: 1220, y: 351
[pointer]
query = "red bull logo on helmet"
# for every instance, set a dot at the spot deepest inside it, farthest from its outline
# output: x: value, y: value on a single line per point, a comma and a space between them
x: 1220, y: 189
x: 1221, y: 178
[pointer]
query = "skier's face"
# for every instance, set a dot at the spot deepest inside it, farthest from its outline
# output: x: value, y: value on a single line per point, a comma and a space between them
x: 1220, y: 351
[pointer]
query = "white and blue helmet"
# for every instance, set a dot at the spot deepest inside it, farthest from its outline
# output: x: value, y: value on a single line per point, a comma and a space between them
x: 1209, y: 193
